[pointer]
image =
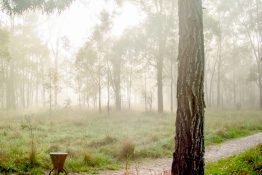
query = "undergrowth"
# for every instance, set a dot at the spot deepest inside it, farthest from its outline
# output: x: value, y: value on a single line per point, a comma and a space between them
x: 97, y: 142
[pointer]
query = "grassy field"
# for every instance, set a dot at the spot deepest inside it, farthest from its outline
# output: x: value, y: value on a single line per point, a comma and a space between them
x: 97, y: 142
x: 248, y: 163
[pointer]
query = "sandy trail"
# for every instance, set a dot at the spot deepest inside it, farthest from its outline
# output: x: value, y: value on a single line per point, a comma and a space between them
x: 213, y: 153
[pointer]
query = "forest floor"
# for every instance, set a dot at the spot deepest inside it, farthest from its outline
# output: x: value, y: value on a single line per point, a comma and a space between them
x: 98, y: 142
x: 213, y: 153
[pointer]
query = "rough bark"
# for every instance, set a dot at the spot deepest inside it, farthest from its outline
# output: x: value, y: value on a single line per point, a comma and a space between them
x: 188, y: 158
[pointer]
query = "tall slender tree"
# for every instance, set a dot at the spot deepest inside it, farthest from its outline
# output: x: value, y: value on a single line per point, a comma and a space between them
x: 189, y: 150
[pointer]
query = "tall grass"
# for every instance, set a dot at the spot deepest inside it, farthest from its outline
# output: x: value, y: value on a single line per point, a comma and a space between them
x: 96, y: 142
x: 248, y: 163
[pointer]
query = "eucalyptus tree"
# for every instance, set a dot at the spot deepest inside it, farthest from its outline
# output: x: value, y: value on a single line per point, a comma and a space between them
x: 23, y: 58
x: 29, y: 57
x: 18, y: 7
x: 158, y: 25
x: 4, y: 57
x: 250, y: 18
x: 133, y: 43
x: 116, y: 61
x: 211, y: 31
x: 87, y: 66
x: 189, y: 148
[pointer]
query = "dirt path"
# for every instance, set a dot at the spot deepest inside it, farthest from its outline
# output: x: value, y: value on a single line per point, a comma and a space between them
x: 213, y: 153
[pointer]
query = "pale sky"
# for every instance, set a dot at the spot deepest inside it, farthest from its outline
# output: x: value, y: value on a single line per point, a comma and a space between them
x: 78, y: 21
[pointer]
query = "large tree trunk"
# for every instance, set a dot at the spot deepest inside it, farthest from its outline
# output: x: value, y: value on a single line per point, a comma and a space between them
x: 189, y: 151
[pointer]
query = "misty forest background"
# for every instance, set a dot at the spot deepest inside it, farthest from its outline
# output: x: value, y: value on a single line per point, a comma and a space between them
x: 137, y: 69
x: 111, y: 98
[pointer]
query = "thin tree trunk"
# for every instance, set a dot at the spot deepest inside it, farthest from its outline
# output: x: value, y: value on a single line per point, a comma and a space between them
x: 219, y: 73
x: 145, y: 94
x: 160, y: 85
x: 206, y: 90
x: 171, y: 88
x: 160, y: 60
x: 259, y: 15
x: 188, y: 158
x: 130, y: 89
x: 56, y: 73
x: 234, y: 89
x: 108, y: 89
x: 260, y: 83
x: 99, y: 87
x: 50, y: 92
x: 117, y: 83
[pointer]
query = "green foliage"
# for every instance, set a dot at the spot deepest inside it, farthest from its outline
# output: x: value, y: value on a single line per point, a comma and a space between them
x: 19, y: 6
x: 248, y: 163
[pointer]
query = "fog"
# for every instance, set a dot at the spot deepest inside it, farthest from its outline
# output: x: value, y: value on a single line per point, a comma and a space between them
x: 62, y: 60
x: 127, y: 33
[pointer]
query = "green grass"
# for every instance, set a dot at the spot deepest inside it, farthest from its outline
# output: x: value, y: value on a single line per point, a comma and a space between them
x: 247, y: 163
x: 96, y: 142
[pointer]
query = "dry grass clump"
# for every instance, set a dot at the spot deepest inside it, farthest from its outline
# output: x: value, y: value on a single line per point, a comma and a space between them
x: 88, y: 158
x: 105, y: 141
x: 3, y: 156
x: 127, y: 150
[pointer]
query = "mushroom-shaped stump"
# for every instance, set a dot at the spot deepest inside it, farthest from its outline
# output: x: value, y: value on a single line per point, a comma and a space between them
x: 58, y: 160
